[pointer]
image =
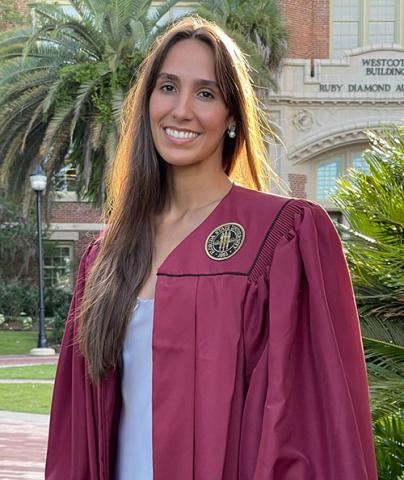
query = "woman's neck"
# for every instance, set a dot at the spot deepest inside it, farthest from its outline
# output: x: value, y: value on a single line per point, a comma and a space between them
x: 190, y: 191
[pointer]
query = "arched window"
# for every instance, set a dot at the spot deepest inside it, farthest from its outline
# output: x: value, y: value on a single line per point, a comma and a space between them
x: 358, y: 163
x: 327, y: 174
x: 336, y: 164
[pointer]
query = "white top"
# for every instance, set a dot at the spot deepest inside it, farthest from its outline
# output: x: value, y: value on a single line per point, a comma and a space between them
x: 135, y: 449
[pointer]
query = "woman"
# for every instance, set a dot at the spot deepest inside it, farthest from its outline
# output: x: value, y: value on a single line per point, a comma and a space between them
x: 213, y: 333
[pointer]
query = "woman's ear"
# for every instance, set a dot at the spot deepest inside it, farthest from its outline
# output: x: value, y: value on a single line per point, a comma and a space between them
x: 231, y: 122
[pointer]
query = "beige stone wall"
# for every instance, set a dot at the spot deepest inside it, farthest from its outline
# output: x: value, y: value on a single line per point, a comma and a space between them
x: 321, y: 112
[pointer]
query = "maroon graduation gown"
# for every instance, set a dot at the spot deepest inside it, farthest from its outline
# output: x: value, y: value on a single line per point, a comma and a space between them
x: 258, y: 367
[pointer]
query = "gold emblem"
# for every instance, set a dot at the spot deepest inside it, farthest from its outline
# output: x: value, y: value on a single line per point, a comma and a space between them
x: 225, y: 241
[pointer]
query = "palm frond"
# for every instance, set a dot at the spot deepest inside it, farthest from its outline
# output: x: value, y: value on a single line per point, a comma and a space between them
x: 260, y: 32
x: 390, y: 357
x: 160, y: 14
x: 95, y: 132
x: 388, y: 435
x: 59, y: 120
x: 385, y: 330
x: 83, y: 93
x: 117, y: 105
x: 373, y: 203
x: 20, y: 108
x: 66, y: 79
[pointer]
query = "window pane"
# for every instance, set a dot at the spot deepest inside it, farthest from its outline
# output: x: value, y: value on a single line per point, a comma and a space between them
x: 345, y: 37
x: 70, y: 10
x: 57, y: 261
x: 381, y: 28
x: 58, y: 268
x: 180, y: 11
x: 382, y: 9
x: 382, y: 21
x: 174, y: 13
x: 346, y: 10
x: 66, y: 179
x: 153, y: 10
x: 327, y: 174
x: 381, y: 32
x: 359, y: 164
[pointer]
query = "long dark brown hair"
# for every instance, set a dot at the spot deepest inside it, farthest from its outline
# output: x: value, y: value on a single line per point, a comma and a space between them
x: 137, y: 189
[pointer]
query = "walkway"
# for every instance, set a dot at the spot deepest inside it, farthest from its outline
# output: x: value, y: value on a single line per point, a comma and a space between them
x: 23, y: 436
x: 25, y: 360
x: 23, y: 439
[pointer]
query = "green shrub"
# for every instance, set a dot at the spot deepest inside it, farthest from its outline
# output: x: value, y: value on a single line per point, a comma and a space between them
x: 19, y: 304
x: 373, y: 204
x: 57, y: 304
x: 17, y: 241
x: 57, y: 301
x: 24, y: 320
x: 17, y: 296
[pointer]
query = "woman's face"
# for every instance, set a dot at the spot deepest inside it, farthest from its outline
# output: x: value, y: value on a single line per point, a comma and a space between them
x: 188, y: 115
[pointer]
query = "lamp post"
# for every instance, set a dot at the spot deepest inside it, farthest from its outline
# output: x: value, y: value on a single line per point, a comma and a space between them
x: 38, y: 184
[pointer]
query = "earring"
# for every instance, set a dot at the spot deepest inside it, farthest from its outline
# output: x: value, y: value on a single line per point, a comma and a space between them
x: 231, y: 131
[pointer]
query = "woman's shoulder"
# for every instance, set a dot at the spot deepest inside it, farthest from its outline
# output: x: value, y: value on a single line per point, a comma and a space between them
x: 276, y: 221
x: 264, y: 206
x: 91, y: 251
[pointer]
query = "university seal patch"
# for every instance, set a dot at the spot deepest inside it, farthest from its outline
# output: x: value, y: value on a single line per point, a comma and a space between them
x: 225, y: 241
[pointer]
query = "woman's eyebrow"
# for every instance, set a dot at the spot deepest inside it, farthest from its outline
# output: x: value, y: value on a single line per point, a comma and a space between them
x: 199, y: 82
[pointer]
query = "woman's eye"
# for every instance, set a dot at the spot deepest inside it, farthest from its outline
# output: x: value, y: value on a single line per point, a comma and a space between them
x: 206, y: 94
x: 167, y: 88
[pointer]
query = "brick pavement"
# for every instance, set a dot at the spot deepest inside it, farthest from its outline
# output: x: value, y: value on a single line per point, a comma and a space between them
x: 26, y: 380
x: 23, y: 440
x: 25, y: 360
x: 23, y: 436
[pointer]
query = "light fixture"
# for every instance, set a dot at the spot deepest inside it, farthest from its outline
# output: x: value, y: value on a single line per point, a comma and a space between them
x: 38, y: 179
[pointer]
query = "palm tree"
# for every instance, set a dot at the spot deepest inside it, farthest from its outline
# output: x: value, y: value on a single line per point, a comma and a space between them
x: 385, y: 363
x: 374, y: 206
x: 258, y: 28
x: 62, y: 84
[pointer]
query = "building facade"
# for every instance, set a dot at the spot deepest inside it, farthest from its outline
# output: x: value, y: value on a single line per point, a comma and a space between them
x: 344, y: 74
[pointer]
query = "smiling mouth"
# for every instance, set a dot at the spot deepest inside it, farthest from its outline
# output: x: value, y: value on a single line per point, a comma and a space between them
x: 180, y: 134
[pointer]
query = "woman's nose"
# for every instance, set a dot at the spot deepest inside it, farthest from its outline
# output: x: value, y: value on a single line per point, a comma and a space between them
x: 183, y: 107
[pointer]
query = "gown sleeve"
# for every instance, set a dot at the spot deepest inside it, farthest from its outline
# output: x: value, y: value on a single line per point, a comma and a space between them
x: 316, y: 421
x: 72, y: 451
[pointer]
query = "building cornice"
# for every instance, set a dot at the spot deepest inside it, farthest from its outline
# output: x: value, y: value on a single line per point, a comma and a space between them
x: 77, y: 227
x: 320, y: 143
x: 292, y: 99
